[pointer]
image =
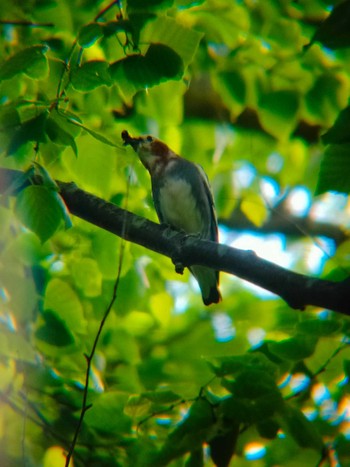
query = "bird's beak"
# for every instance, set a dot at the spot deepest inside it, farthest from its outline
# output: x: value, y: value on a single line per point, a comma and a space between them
x: 129, y: 140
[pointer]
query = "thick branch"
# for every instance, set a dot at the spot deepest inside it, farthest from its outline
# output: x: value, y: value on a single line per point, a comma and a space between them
x: 296, y: 289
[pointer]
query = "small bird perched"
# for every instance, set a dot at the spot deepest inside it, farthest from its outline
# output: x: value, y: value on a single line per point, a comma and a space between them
x: 182, y: 199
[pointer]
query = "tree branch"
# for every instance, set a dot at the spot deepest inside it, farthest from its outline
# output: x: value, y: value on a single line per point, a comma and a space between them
x: 297, y: 290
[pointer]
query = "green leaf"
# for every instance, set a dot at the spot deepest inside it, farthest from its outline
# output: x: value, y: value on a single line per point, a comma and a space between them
x: 137, y: 406
x: 278, y: 112
x: 319, y: 327
x: 295, y: 349
x: 334, y: 32
x: 232, y: 88
x: 93, y: 133
x: 339, y: 132
x: 149, y: 5
x: 326, y: 98
x: 170, y: 32
x: 268, y: 428
x: 294, y: 422
x: 59, y: 136
x: 39, y: 209
x: 30, y: 130
x: 107, y: 415
x: 346, y: 365
x: 87, y: 276
x: 91, y: 75
x: 222, y: 446
x: 189, y: 435
x: 234, y: 365
x: 163, y: 396
x: 31, y: 61
x: 137, y: 72
x: 89, y: 34
x: 54, y: 331
x: 335, y: 169
x: 9, y: 118
x: 61, y: 298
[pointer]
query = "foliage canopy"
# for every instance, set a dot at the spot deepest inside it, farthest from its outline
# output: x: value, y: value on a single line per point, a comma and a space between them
x: 100, y: 339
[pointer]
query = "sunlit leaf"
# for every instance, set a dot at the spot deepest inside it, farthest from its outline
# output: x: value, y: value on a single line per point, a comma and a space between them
x: 87, y: 276
x: 254, y: 209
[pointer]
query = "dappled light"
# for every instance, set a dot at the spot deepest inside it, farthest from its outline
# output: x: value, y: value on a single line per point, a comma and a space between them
x: 174, y: 219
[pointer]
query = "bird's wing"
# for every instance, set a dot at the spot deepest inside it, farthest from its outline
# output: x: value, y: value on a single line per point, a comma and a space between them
x: 213, y: 224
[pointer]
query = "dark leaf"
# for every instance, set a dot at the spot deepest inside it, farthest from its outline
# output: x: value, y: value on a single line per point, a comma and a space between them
x: 54, y: 331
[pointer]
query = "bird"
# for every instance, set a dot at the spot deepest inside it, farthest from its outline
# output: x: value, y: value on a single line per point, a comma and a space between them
x: 182, y: 198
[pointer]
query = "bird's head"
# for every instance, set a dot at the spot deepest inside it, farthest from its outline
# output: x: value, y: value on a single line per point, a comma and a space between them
x: 152, y: 152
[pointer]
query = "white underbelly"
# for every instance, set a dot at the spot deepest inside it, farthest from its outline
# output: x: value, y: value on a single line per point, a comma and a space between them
x: 179, y: 207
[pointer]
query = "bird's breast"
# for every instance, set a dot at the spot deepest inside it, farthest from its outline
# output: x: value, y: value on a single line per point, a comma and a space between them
x: 178, y: 205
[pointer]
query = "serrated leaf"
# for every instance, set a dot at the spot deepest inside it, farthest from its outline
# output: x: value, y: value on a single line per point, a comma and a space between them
x: 54, y: 331
x: 295, y: 349
x: 31, y: 61
x: 91, y: 75
x: 335, y: 169
x: 294, y: 422
x: 38, y: 208
x: 319, y: 327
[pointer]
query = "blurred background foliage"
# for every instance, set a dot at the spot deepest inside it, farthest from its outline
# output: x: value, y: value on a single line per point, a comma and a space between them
x: 257, y: 93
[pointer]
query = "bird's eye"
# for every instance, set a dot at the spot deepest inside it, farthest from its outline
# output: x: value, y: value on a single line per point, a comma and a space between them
x: 149, y: 139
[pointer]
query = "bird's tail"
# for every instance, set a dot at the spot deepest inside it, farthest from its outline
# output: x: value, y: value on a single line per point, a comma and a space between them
x: 208, y: 281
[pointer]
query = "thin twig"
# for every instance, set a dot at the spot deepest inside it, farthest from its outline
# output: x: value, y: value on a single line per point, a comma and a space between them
x: 85, y: 406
